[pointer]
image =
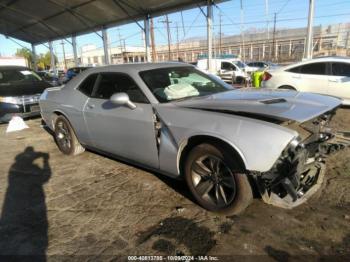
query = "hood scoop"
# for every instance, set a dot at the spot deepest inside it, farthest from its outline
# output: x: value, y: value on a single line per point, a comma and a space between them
x: 273, y: 101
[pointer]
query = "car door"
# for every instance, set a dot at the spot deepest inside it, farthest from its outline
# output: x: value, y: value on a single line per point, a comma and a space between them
x: 313, y: 77
x: 119, y: 130
x: 227, y: 70
x: 339, y: 80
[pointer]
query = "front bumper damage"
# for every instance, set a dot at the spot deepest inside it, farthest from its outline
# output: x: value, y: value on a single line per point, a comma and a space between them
x: 299, y: 172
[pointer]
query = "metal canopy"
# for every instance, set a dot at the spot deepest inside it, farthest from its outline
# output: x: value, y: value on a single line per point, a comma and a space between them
x: 39, y: 21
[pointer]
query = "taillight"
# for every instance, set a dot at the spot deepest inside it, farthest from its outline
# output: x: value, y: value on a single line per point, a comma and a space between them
x: 266, y: 76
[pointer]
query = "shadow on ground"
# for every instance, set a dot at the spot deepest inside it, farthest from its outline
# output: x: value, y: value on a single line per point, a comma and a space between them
x: 23, y: 222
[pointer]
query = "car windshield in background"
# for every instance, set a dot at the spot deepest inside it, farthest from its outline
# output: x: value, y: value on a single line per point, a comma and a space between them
x: 240, y: 64
x: 10, y: 76
x: 169, y: 84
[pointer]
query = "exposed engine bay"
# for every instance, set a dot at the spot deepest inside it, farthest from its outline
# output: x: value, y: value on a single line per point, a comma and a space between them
x: 299, y: 172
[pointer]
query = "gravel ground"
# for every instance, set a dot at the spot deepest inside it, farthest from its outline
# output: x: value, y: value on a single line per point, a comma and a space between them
x: 91, y: 207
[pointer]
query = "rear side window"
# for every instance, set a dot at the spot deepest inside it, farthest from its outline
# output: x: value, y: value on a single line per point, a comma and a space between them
x: 111, y: 83
x: 294, y: 69
x: 314, y: 69
x: 227, y: 66
x: 341, y: 69
x: 87, y: 85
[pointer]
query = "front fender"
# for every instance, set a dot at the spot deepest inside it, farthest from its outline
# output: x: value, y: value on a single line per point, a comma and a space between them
x: 259, y: 143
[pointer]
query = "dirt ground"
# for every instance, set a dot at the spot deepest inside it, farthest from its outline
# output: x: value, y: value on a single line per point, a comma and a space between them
x: 91, y: 207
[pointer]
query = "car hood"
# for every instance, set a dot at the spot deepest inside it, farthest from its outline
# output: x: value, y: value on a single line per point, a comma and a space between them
x: 272, y: 104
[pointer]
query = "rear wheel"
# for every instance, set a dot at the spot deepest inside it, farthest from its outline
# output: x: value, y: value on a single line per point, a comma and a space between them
x: 65, y: 137
x: 215, y: 180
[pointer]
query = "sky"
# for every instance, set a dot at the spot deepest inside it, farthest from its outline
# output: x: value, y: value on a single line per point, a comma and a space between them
x: 192, y: 23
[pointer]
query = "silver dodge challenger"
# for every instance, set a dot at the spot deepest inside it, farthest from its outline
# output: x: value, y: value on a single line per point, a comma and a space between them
x: 226, y: 143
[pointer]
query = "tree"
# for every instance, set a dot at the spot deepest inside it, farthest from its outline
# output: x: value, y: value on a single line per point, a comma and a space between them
x: 44, y: 60
x: 26, y: 54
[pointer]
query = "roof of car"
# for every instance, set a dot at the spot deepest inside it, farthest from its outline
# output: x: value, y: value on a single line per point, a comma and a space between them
x: 13, y: 67
x: 139, y: 66
x: 331, y: 57
x: 317, y: 59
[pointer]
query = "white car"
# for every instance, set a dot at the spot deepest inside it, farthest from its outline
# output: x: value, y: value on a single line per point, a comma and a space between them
x: 326, y: 75
x: 256, y: 66
x: 228, y: 69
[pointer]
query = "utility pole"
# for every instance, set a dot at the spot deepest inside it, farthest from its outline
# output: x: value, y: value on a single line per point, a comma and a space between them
x: 167, y: 22
x: 177, y: 41
x: 220, y: 16
x: 154, y: 54
x: 121, y: 45
x: 267, y: 24
x: 242, y: 32
x: 309, y: 36
x: 120, y: 40
x: 64, y: 55
x: 274, y: 37
x: 183, y: 24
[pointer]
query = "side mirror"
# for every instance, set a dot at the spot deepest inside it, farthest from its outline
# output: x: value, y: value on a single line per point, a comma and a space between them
x: 122, y: 99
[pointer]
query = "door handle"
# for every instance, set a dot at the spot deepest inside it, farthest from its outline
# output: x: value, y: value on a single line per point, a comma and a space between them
x: 296, y: 77
x: 333, y: 80
x: 90, y: 106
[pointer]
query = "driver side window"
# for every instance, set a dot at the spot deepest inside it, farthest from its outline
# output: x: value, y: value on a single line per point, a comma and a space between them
x: 111, y: 83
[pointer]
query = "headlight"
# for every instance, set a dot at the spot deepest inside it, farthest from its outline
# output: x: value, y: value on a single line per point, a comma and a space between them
x: 11, y: 99
x: 296, y: 143
x: 20, y: 100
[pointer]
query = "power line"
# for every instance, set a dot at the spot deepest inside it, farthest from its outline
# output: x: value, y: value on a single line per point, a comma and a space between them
x: 281, y: 9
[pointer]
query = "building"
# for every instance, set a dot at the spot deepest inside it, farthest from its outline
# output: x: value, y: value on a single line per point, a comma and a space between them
x: 92, y: 56
x: 283, y: 45
x: 13, y: 60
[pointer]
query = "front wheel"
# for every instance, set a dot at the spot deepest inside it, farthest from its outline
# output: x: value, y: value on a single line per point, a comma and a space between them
x: 65, y: 137
x: 216, y: 181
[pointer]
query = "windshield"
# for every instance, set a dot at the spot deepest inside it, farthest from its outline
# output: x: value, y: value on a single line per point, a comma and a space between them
x: 240, y: 64
x: 169, y: 84
x: 10, y: 76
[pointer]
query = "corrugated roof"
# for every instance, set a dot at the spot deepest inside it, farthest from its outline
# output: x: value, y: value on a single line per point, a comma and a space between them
x: 37, y: 21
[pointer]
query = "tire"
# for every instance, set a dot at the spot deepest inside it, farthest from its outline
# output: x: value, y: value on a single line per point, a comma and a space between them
x: 229, y: 181
x: 287, y: 87
x: 239, y: 80
x: 65, y: 137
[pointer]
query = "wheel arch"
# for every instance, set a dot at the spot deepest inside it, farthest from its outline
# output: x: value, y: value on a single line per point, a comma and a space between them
x: 287, y: 87
x: 55, y: 114
x: 189, y: 143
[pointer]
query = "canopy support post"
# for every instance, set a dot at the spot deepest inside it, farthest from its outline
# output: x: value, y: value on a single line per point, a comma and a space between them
x: 105, y: 45
x: 74, y: 45
x: 52, y: 56
x: 210, y: 33
x: 35, y: 66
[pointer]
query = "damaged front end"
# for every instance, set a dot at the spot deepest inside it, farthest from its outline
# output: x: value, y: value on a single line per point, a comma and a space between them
x: 299, y: 171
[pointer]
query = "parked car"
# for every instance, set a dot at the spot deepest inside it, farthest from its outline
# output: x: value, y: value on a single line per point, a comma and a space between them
x: 327, y: 75
x: 176, y: 120
x: 257, y: 66
x: 72, y: 72
x: 228, y: 69
x: 20, y: 89
x: 58, y: 72
x: 52, y: 79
